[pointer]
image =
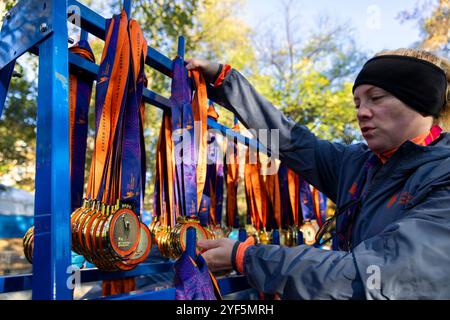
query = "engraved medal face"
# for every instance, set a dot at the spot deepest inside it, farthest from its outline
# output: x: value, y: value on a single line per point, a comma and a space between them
x: 309, y: 233
x: 144, y: 242
x: 144, y: 246
x: 124, y: 232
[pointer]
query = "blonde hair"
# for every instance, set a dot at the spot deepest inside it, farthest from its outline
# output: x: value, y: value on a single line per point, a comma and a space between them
x: 443, y: 120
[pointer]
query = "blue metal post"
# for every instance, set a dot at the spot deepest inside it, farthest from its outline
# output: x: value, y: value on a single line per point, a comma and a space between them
x: 52, y: 200
x: 5, y: 79
x: 84, y: 35
x: 276, y: 237
x: 127, y: 7
x: 52, y: 204
x: 191, y: 242
x: 181, y: 47
x: 242, y: 235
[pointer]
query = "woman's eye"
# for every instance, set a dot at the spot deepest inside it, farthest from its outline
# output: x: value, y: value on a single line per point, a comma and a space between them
x: 377, y: 97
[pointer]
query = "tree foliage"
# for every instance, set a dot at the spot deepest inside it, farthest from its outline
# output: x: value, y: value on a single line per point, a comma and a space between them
x: 18, y: 134
x: 310, y: 79
x: 433, y: 18
x: 308, y: 74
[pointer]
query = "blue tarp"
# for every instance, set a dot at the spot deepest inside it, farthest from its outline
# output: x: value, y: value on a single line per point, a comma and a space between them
x: 14, y: 226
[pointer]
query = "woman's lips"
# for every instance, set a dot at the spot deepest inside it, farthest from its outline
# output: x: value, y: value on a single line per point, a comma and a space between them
x: 367, y: 131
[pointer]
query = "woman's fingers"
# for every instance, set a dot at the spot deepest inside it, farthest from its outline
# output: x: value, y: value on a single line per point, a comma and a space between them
x: 209, y: 244
x: 193, y: 63
x: 217, y: 259
x: 218, y: 253
x: 190, y: 64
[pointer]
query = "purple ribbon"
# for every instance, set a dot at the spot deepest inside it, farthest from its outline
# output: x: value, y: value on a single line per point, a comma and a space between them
x: 183, y: 121
x: 306, y: 200
x: 133, y: 173
x: 346, y: 219
x: 79, y: 133
x: 192, y: 279
x: 103, y: 81
x: 322, y: 207
x: 286, y: 208
x: 219, y: 191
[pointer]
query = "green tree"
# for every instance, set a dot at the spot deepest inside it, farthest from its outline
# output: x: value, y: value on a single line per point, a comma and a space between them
x: 211, y: 30
x: 433, y: 18
x: 311, y: 77
x: 18, y: 133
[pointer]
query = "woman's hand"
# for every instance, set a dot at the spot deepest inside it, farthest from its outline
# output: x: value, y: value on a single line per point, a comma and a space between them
x: 218, y: 253
x: 197, y: 63
x: 209, y: 69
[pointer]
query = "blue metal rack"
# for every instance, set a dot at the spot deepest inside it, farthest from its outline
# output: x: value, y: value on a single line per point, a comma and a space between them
x: 40, y: 27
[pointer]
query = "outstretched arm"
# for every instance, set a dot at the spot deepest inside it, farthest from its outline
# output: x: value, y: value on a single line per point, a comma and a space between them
x: 318, y: 161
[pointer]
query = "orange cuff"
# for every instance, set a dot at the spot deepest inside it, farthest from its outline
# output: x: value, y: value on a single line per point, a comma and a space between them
x: 240, y: 254
x: 221, y: 77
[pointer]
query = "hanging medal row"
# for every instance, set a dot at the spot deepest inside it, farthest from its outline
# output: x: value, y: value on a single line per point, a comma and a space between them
x: 189, y: 191
x: 277, y: 200
x: 182, y: 174
x: 106, y: 224
x: 192, y: 177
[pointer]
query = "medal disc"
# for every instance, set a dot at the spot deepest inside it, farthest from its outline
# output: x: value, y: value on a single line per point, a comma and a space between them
x: 124, y: 232
x: 309, y: 233
x: 143, y: 249
x: 200, y: 233
x: 264, y: 237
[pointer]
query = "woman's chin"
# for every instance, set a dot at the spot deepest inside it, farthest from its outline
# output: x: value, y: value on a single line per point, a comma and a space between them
x: 375, y: 146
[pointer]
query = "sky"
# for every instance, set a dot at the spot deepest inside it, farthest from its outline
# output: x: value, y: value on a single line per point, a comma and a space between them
x: 374, y: 21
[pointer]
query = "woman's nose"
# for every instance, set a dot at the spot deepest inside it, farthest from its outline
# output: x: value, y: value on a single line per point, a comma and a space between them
x: 364, y: 112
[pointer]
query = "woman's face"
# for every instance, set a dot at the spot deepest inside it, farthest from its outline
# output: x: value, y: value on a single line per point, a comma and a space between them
x: 385, y: 121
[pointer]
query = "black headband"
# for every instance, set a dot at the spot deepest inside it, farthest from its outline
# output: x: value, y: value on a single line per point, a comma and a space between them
x: 418, y: 83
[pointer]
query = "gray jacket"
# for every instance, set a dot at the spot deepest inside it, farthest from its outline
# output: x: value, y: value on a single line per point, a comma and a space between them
x: 401, y: 238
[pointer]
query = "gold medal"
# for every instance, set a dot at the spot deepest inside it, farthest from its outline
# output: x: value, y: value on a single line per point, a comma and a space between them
x: 200, y: 233
x: 92, y: 239
x: 309, y: 233
x: 264, y: 237
x: 123, y: 232
x: 162, y: 239
x: 283, y: 237
x: 86, y: 243
x: 143, y: 248
x: 292, y: 236
x: 153, y: 227
x: 79, y: 216
x: 27, y: 244
x: 179, y: 233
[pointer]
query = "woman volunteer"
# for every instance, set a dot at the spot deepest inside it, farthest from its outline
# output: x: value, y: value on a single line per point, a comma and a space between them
x: 392, y: 194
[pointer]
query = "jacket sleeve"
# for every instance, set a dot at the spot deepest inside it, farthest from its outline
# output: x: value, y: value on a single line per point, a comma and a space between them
x: 408, y: 260
x: 303, y: 272
x: 318, y: 161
